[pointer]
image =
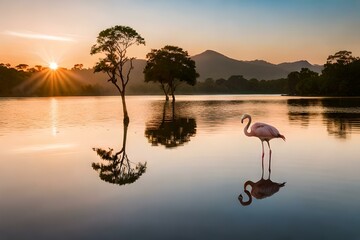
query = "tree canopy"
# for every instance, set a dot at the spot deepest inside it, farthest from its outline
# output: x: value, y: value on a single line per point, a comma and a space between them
x: 114, y: 43
x: 340, y: 77
x: 170, y: 66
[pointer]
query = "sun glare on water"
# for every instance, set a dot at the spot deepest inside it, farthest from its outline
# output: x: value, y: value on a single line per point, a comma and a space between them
x: 53, y: 65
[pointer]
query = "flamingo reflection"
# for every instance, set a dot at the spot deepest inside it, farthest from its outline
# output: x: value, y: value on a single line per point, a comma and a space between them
x: 261, y: 189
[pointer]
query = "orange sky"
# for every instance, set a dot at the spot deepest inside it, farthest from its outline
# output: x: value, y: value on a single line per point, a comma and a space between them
x: 275, y: 31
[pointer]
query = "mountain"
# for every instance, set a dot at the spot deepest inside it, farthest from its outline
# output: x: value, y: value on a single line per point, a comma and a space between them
x: 211, y: 64
x: 296, y: 66
x: 87, y: 76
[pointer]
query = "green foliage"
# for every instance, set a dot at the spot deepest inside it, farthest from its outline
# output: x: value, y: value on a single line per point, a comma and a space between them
x: 22, y: 66
x: 78, y: 66
x: 116, y: 39
x: 10, y: 78
x: 236, y: 84
x: 340, y: 77
x: 170, y: 66
x: 342, y: 58
x: 114, y: 43
x: 42, y: 82
x: 342, y: 74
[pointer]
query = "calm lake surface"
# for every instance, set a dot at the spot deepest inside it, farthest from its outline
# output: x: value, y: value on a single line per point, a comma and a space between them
x: 196, y: 160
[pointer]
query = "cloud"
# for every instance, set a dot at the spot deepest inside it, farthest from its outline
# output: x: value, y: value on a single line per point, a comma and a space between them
x: 32, y: 35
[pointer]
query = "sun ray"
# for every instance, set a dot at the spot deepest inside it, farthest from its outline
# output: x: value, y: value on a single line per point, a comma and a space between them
x: 48, y: 82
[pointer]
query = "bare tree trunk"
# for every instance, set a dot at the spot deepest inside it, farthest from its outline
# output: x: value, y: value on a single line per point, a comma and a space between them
x: 122, y: 93
x: 126, y: 116
x: 173, y: 109
x: 165, y: 91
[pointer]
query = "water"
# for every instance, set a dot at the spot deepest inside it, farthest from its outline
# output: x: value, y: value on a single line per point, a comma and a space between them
x: 196, y: 160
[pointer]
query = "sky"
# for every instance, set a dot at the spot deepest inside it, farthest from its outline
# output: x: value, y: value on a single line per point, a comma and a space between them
x: 41, y: 31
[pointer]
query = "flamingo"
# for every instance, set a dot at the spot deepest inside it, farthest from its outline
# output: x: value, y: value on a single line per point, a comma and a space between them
x: 263, y: 131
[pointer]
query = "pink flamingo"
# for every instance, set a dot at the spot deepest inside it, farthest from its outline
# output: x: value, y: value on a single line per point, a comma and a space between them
x: 263, y: 131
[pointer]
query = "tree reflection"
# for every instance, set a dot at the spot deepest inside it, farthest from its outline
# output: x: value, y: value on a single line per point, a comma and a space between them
x: 340, y: 116
x: 170, y: 130
x: 340, y: 125
x: 118, y: 169
x: 299, y: 110
x: 261, y: 189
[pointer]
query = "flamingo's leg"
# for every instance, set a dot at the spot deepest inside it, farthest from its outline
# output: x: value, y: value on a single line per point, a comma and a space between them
x: 270, y: 152
x: 262, y: 160
x: 269, y: 147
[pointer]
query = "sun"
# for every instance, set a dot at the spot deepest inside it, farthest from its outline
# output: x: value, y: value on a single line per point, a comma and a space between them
x: 53, y: 66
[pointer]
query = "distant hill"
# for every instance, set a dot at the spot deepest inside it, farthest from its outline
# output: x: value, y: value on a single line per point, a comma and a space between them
x: 135, y: 85
x: 296, y: 66
x: 234, y: 77
x: 211, y: 64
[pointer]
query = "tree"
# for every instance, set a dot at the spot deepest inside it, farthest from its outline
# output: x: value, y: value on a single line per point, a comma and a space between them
x: 6, y: 65
x: 342, y: 57
x: 292, y: 80
x: 309, y: 82
x: 114, y: 43
x: 22, y: 67
x: 341, y: 74
x: 304, y: 82
x: 10, y: 80
x: 237, y: 83
x: 39, y: 68
x: 78, y: 66
x: 170, y: 66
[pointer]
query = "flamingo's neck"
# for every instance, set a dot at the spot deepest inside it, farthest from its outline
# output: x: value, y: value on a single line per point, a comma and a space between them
x: 251, y: 183
x: 248, y: 202
x: 249, y: 134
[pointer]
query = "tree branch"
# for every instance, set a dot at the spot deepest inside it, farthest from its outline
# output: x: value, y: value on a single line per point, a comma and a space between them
x: 130, y: 68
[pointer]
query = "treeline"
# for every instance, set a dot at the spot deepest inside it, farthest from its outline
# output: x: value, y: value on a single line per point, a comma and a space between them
x: 22, y: 81
x: 10, y: 78
x: 236, y: 84
x: 340, y: 77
